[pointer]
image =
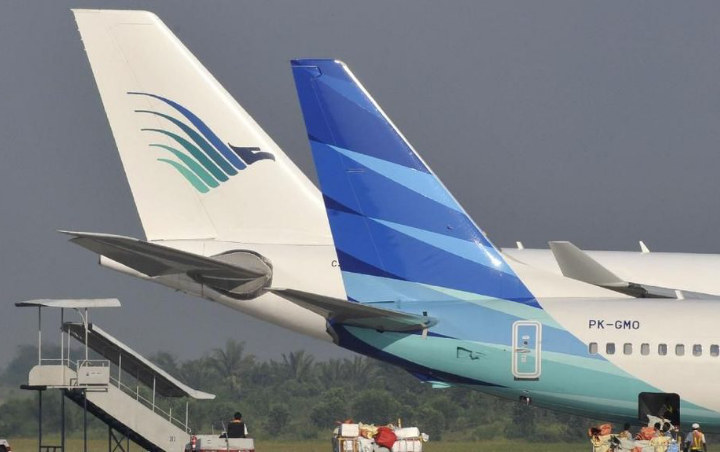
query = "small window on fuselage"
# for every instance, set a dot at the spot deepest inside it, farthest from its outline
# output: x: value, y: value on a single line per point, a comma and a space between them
x: 662, y: 349
x: 610, y: 348
x: 680, y: 349
x: 627, y: 349
x: 697, y: 350
x: 593, y: 348
x: 714, y: 350
x: 645, y: 349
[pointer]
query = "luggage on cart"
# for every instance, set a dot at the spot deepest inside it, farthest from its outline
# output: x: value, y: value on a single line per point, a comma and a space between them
x: 350, y: 437
x: 385, y: 437
x: 346, y: 445
x: 346, y: 438
x: 407, y: 445
x: 408, y: 440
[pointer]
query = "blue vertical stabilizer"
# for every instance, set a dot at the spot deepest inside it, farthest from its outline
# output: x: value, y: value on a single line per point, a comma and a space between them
x: 399, y: 234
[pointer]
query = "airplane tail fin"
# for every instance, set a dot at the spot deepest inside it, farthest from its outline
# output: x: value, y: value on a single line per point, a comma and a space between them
x: 198, y: 165
x: 399, y: 233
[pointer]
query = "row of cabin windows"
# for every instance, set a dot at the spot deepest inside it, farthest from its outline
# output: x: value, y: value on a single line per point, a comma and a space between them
x: 662, y: 349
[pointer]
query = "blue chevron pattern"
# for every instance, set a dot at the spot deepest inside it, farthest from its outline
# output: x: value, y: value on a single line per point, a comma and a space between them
x: 390, y: 215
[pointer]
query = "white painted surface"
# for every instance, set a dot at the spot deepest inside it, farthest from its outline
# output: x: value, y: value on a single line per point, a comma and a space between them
x: 660, y: 321
x: 267, y: 202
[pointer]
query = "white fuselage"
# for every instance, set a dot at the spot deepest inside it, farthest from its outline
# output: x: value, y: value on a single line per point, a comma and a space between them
x: 681, y: 271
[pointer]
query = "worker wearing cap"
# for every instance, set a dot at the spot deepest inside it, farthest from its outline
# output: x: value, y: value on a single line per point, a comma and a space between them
x: 695, y: 440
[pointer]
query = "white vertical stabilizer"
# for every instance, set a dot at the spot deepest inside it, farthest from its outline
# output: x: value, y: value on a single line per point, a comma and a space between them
x: 198, y: 165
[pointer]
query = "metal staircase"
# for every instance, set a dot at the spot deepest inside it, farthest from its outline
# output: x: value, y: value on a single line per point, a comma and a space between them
x: 129, y: 415
x: 133, y: 420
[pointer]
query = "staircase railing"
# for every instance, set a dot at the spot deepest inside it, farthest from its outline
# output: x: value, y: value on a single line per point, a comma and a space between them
x: 151, y: 404
x: 135, y: 392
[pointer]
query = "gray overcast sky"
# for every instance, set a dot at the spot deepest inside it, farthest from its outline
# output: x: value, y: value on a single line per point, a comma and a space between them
x: 596, y: 122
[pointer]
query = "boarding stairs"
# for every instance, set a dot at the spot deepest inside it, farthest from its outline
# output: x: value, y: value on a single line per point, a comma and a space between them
x: 150, y: 430
x: 119, y: 390
x: 131, y: 415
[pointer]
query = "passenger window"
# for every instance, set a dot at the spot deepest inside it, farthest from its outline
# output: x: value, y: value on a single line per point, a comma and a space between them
x: 662, y: 349
x: 714, y: 350
x: 610, y: 348
x: 593, y: 348
x: 627, y: 349
x: 680, y: 349
x: 645, y: 349
x: 697, y: 350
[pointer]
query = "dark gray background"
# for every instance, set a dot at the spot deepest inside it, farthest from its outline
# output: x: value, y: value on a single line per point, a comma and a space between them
x: 595, y: 122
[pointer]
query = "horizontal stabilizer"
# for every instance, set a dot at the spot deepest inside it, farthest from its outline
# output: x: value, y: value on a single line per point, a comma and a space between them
x: 575, y: 263
x: 357, y: 314
x: 236, y: 273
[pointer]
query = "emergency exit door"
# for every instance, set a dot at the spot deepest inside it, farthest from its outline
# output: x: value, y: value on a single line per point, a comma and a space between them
x: 526, y: 353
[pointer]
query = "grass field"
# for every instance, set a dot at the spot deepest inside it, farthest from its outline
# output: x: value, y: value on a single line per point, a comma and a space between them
x: 95, y: 445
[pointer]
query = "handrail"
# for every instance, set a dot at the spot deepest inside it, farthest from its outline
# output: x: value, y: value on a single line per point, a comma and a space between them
x: 75, y: 365
x: 50, y: 361
x: 149, y: 404
x: 93, y: 363
x: 132, y: 392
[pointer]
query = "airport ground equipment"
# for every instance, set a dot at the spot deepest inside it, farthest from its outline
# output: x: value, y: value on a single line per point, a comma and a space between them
x: 5, y: 446
x: 349, y: 437
x: 214, y: 443
x: 120, y: 388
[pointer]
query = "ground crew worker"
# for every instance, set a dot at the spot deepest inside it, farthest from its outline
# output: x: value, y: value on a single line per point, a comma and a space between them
x: 660, y: 443
x: 695, y: 440
x: 668, y: 410
x: 236, y: 428
x: 667, y: 430
x: 623, y: 440
x: 599, y: 443
x: 625, y: 434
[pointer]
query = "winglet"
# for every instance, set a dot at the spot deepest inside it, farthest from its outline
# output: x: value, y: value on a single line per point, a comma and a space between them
x: 643, y: 248
x: 575, y: 263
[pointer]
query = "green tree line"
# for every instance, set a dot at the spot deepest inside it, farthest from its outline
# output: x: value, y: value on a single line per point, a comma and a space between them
x: 300, y: 397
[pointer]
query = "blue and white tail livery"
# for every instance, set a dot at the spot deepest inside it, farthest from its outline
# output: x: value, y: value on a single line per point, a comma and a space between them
x: 399, y: 234
x: 404, y: 242
x: 382, y: 260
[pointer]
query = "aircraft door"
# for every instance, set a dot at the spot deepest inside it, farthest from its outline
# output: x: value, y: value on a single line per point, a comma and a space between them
x: 526, y: 350
x: 659, y: 404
